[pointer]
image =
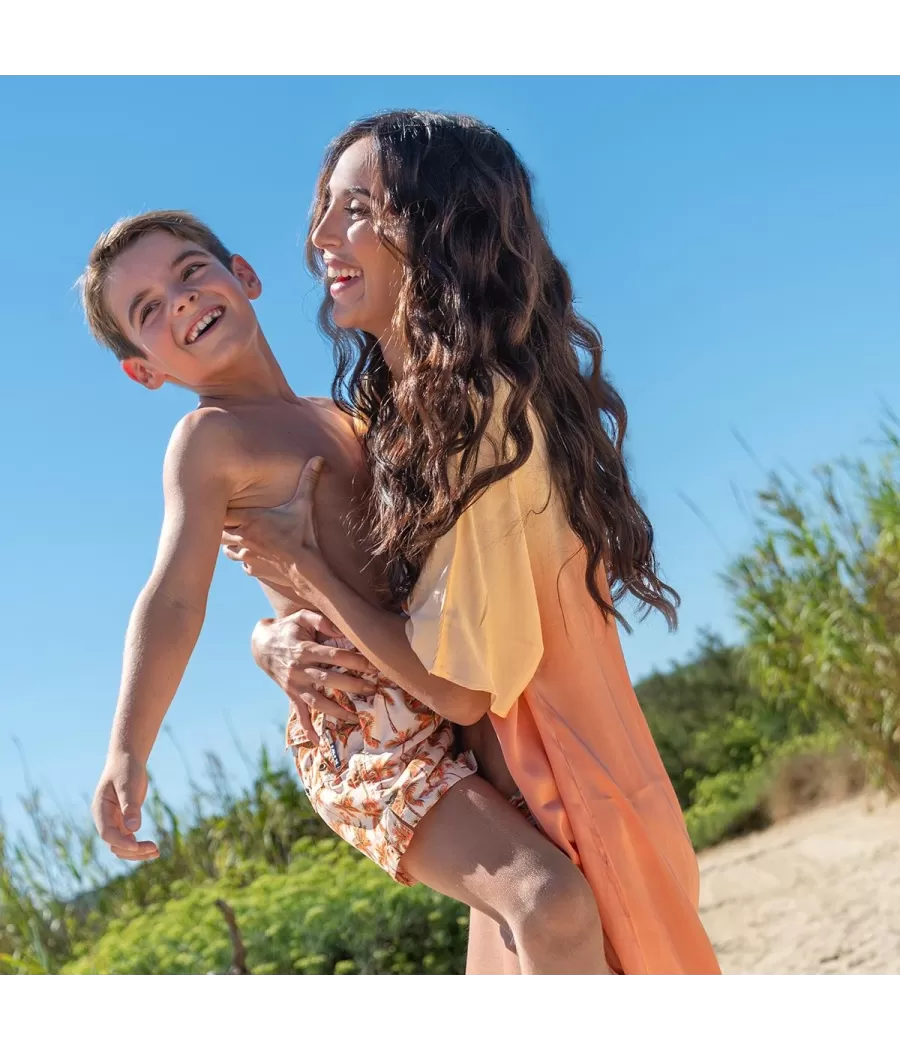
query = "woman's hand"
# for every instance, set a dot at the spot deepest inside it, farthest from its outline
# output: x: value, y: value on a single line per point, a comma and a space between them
x: 292, y: 653
x: 280, y: 545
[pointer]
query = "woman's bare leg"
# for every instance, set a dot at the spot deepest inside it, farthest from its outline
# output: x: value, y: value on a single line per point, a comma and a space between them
x: 475, y: 847
x: 488, y: 952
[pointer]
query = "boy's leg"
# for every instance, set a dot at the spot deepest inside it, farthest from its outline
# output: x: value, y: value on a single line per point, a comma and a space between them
x: 475, y: 847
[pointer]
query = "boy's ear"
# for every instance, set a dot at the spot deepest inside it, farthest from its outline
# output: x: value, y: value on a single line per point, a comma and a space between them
x: 140, y: 371
x: 245, y: 273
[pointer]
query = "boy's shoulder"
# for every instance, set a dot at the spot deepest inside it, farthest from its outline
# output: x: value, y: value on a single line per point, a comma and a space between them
x: 205, y: 428
x: 205, y: 441
x: 325, y: 405
x: 353, y: 423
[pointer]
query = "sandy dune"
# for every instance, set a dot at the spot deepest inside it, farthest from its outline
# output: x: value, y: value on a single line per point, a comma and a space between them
x: 819, y: 893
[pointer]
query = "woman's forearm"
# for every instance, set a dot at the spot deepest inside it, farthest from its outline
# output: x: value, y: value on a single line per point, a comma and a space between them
x: 381, y: 636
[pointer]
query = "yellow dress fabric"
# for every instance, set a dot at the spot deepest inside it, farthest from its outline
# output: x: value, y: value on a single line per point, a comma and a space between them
x: 502, y: 607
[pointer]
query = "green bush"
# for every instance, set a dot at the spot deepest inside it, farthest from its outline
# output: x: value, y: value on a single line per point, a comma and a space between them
x: 819, y: 599
x: 330, y: 912
x: 707, y: 720
x: 736, y: 801
x: 59, y: 888
x: 728, y: 804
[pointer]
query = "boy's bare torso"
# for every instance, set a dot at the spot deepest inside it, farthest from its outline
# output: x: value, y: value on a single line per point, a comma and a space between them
x: 275, y: 438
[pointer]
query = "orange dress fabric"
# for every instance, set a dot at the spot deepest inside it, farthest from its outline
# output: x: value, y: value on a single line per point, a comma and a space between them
x: 502, y: 606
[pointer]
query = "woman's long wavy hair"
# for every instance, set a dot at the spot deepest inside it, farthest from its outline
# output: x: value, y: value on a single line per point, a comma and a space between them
x: 482, y: 296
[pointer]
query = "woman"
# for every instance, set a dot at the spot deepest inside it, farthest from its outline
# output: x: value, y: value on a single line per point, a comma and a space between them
x: 500, y: 503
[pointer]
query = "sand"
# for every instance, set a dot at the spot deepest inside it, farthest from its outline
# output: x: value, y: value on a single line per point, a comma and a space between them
x: 819, y: 893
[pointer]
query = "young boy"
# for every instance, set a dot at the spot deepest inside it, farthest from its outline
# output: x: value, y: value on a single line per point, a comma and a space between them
x: 175, y: 306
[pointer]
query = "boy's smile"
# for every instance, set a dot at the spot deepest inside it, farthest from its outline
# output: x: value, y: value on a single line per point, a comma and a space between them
x: 204, y: 324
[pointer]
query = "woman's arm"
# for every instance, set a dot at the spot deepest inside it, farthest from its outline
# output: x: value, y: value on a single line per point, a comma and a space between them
x: 282, y: 544
x: 381, y: 636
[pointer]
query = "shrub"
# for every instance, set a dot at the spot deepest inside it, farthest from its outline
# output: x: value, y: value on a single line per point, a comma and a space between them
x: 330, y: 912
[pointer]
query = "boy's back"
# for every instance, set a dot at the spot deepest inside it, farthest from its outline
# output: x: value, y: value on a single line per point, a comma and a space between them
x: 262, y: 445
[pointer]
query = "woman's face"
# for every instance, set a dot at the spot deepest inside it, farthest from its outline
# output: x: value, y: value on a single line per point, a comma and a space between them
x: 363, y: 273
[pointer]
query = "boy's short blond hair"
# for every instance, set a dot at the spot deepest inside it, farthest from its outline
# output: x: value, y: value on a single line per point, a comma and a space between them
x: 111, y: 244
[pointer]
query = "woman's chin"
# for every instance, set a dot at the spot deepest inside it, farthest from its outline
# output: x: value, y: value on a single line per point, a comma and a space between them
x: 344, y: 317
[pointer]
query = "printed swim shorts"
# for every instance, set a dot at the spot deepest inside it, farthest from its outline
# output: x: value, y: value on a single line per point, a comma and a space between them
x: 373, y: 777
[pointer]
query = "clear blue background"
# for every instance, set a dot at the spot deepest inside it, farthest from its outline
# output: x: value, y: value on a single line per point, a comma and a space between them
x: 735, y: 240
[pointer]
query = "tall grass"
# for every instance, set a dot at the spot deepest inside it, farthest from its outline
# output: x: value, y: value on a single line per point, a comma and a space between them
x: 59, y: 887
x: 819, y: 599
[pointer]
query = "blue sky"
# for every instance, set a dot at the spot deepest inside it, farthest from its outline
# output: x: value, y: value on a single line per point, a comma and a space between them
x: 736, y: 241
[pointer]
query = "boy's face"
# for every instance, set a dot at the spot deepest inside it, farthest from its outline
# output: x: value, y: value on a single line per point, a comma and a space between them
x: 189, y: 314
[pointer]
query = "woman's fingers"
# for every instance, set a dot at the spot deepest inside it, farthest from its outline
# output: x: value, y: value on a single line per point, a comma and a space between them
x: 316, y: 622
x: 309, y: 479
x: 332, y: 656
x: 304, y: 713
x: 323, y: 678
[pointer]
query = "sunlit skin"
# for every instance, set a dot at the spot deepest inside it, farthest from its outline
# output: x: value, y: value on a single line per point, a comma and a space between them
x: 364, y: 273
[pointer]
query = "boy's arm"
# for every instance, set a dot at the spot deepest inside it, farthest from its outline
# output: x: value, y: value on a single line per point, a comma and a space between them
x: 166, y: 619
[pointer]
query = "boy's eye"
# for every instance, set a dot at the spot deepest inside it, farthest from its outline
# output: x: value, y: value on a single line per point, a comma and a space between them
x: 190, y: 269
x: 146, y: 310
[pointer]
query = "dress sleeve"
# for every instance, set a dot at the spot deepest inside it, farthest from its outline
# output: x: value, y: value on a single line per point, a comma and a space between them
x: 473, y: 615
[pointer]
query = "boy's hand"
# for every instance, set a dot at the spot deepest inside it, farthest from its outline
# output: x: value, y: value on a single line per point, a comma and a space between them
x: 117, y: 807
